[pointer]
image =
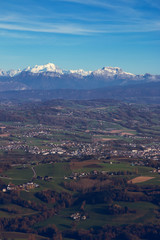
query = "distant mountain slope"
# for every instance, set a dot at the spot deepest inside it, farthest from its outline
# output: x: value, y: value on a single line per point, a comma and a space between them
x: 143, y: 93
x: 49, y: 76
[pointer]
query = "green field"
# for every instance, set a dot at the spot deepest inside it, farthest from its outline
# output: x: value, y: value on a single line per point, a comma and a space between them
x: 20, y: 236
x: 97, y: 216
x: 18, y: 175
x: 21, y: 211
x: 58, y: 171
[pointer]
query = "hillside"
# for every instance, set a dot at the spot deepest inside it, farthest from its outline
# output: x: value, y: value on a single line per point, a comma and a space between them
x: 140, y: 93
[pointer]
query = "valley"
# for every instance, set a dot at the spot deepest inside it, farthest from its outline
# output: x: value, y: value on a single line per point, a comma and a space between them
x: 71, y: 169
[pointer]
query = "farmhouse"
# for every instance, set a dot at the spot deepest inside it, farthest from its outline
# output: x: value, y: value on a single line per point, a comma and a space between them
x: 25, y: 186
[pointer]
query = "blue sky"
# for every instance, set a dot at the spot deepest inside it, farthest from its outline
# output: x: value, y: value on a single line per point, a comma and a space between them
x: 86, y: 34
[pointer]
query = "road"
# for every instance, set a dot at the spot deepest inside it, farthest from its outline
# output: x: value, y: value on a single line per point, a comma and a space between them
x: 34, y: 172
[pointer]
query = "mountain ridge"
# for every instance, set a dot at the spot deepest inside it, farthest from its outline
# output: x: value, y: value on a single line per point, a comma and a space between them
x: 142, y: 93
x: 49, y: 76
x: 51, y: 67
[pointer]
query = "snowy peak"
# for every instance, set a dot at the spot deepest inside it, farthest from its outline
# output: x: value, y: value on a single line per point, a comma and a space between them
x: 80, y: 72
x: 2, y: 73
x: 111, y: 72
x: 50, y: 67
x: 13, y: 73
x: 10, y: 73
x: 114, y: 70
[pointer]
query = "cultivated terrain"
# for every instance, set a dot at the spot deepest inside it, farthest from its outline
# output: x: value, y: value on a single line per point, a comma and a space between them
x: 79, y: 169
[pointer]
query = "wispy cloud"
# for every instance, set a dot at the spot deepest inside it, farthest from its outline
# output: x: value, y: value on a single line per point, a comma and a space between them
x: 89, y: 2
x: 120, y: 6
x: 17, y: 35
x: 53, y: 28
x: 123, y: 16
x: 84, y: 30
x: 154, y: 3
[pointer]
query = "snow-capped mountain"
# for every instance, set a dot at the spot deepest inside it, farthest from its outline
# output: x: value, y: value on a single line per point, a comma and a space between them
x: 49, y: 76
x: 80, y: 72
x: 50, y: 67
x: 13, y: 73
x: 2, y: 73
x: 10, y: 73
x: 111, y: 72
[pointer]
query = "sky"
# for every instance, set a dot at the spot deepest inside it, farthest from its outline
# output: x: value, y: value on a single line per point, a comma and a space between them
x: 81, y: 34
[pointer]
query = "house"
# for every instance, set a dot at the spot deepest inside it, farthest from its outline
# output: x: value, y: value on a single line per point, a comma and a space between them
x: 75, y: 216
x: 84, y: 217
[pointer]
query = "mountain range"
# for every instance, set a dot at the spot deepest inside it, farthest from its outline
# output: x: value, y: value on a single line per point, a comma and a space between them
x: 49, y: 76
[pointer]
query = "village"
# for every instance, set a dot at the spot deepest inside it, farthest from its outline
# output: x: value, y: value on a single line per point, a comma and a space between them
x: 40, y: 140
x: 22, y: 187
x: 71, y: 149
